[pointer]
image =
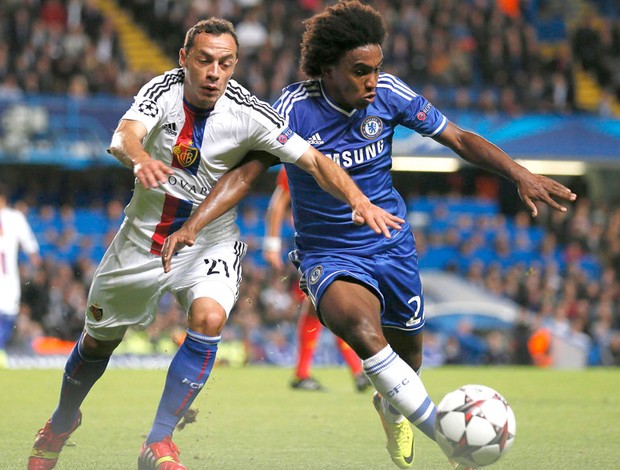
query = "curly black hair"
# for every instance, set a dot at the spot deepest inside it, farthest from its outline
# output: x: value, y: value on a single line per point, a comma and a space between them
x: 347, y: 25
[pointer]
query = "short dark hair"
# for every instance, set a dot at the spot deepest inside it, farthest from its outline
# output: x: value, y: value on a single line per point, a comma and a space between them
x: 216, y: 26
x: 345, y: 26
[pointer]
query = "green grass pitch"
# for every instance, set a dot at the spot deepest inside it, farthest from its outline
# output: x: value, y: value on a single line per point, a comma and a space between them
x: 250, y: 419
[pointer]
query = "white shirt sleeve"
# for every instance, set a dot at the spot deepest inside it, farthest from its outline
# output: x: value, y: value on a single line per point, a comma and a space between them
x: 276, y: 137
x: 151, y: 102
x: 27, y: 240
x: 285, y: 144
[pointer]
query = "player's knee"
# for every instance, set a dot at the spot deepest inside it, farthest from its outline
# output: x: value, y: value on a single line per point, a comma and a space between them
x: 365, y: 338
x: 99, y: 349
x: 207, y: 322
x: 207, y: 317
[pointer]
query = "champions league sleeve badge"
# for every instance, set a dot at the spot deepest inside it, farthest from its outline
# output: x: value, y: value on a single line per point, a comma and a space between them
x: 371, y: 127
x: 148, y: 108
x: 285, y: 135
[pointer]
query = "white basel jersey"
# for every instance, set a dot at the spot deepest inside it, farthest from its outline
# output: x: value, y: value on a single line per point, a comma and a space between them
x: 200, y: 146
x: 15, y: 233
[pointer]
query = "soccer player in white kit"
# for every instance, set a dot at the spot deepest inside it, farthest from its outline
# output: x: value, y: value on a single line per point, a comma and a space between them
x: 185, y: 129
x: 15, y: 234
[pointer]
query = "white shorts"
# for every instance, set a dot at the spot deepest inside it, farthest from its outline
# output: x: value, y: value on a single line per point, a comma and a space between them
x: 129, y: 283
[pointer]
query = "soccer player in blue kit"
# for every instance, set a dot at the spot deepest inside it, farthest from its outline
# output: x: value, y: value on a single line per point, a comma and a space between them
x: 366, y: 287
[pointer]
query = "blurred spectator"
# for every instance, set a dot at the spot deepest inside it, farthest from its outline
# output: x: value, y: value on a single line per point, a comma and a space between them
x: 492, y: 48
x: 472, y: 347
x: 251, y: 32
x: 497, y: 352
x: 520, y: 336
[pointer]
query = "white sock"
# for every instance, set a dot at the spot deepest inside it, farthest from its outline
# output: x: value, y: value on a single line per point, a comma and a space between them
x: 399, y: 385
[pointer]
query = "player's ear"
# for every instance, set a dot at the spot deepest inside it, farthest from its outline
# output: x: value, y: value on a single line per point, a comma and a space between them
x: 327, y: 71
x: 182, y: 56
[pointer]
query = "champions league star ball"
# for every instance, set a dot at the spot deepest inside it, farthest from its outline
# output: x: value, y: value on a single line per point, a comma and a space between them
x: 475, y: 425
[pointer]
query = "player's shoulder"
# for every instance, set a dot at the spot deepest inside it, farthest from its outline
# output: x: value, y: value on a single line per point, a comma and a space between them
x: 303, y: 88
x: 296, y: 95
x: 301, y: 91
x: 163, y: 84
x: 391, y: 85
x: 12, y: 214
x: 240, y: 101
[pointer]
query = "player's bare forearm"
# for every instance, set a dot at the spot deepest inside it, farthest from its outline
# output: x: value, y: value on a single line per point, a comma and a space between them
x: 230, y: 189
x: 127, y: 147
x: 482, y: 153
x: 272, y: 243
x: 278, y: 204
x: 339, y: 184
x: 330, y: 177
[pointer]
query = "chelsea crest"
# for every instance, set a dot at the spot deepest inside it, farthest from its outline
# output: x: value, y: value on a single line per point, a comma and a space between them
x: 371, y: 127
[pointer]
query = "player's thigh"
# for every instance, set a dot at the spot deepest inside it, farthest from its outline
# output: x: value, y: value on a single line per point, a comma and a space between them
x: 125, y: 291
x: 352, y: 311
x: 209, y: 286
x: 348, y: 303
x: 398, y: 276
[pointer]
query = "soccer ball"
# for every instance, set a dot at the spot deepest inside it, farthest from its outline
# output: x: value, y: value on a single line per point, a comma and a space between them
x: 475, y: 425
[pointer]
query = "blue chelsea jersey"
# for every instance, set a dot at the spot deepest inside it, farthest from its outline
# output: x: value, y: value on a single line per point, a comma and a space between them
x: 360, y: 141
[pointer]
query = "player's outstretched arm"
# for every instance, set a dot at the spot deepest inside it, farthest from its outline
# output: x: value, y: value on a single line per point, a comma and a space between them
x: 231, y: 188
x: 272, y: 245
x: 339, y: 184
x: 482, y: 153
x: 127, y: 147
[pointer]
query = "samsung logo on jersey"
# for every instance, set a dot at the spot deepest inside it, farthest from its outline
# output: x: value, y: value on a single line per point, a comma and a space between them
x: 348, y: 158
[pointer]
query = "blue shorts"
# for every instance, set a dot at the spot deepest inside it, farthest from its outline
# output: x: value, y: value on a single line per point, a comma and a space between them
x: 393, y: 276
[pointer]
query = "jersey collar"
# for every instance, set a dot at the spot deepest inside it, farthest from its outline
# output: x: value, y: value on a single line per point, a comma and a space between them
x: 334, y: 105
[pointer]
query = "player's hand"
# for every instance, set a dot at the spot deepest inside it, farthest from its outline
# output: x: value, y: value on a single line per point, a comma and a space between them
x: 151, y: 173
x: 379, y: 220
x: 274, y: 258
x: 540, y: 188
x: 173, y: 243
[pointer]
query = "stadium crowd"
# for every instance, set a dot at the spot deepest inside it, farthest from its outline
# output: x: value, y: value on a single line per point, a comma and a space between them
x: 562, y: 269
x: 481, y: 55
x: 486, y: 55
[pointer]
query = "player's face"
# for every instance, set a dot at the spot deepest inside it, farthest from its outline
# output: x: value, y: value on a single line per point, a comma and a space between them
x: 208, y: 65
x: 352, y: 82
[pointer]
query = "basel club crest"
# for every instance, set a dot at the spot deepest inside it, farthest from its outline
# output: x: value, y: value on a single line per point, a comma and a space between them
x: 371, y: 127
x: 185, y: 154
x: 96, y: 312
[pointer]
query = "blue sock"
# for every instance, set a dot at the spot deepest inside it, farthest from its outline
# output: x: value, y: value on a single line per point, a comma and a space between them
x: 81, y: 373
x: 187, y: 374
